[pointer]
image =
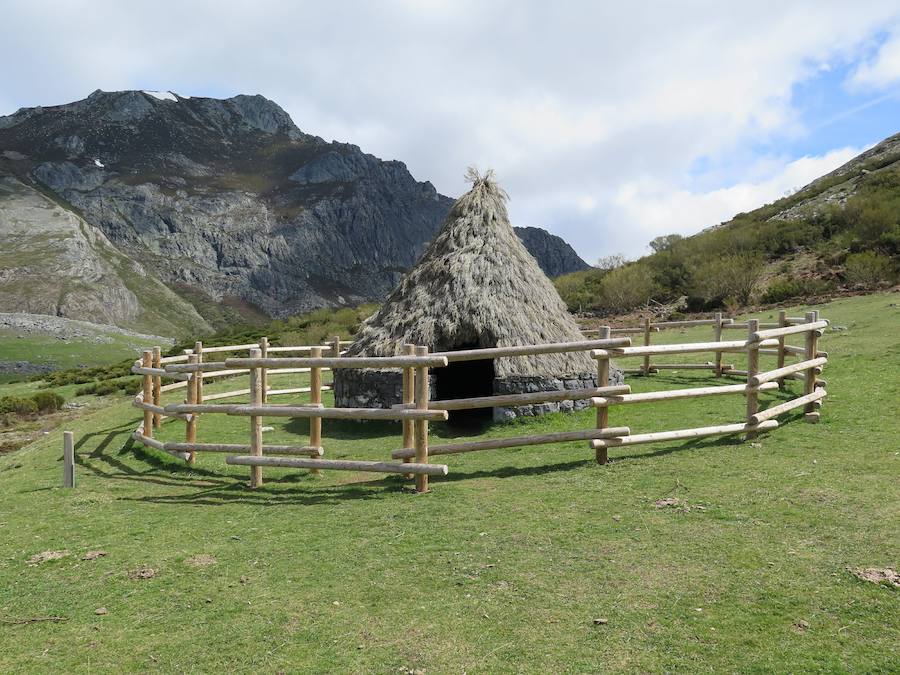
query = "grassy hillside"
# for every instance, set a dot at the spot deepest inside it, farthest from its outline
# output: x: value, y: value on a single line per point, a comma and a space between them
x: 83, y: 346
x: 841, y: 231
x: 55, y: 263
x: 503, y: 567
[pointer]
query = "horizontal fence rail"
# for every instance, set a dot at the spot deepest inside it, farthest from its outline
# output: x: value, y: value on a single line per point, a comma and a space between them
x: 530, y: 350
x: 189, y: 372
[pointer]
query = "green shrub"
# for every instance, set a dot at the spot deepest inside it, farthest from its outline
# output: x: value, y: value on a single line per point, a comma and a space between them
x: 730, y: 278
x: 48, y: 401
x: 627, y: 287
x: 785, y: 289
x: 868, y: 268
x: 18, y: 405
x: 580, y: 290
x: 108, y: 387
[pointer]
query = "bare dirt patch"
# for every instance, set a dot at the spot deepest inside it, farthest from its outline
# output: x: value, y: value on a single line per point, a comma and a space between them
x: 93, y: 555
x: 142, y: 573
x: 46, y: 556
x: 677, y: 504
x: 201, y: 560
x: 885, y: 576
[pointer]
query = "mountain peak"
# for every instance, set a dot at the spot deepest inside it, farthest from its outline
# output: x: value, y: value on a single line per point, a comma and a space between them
x: 228, y: 199
x: 136, y: 108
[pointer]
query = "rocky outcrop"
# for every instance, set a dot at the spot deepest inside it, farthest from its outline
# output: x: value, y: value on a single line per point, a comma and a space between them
x: 553, y: 254
x: 230, y: 198
x: 53, y: 262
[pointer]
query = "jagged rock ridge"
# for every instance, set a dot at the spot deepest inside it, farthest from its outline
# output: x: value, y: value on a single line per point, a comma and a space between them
x: 230, y: 198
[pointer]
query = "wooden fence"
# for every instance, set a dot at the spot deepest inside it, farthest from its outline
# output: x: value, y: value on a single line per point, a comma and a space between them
x: 416, y: 410
x: 720, y: 326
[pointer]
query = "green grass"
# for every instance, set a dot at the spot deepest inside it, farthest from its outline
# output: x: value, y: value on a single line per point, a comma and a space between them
x: 74, y: 352
x: 503, y: 567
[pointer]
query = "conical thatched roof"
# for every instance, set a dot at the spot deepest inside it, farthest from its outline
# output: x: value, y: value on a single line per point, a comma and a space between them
x: 477, y: 284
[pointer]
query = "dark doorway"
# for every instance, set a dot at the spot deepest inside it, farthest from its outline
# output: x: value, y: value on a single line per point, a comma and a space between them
x: 466, y: 379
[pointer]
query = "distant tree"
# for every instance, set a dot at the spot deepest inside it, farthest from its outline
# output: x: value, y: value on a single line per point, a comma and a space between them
x: 727, y: 279
x: 665, y: 242
x: 608, y: 263
x: 625, y: 288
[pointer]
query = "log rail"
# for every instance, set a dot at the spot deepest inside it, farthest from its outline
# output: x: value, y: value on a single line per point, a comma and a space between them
x: 192, y: 368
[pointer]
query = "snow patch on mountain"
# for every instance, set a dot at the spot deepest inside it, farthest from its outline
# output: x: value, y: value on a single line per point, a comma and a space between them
x: 162, y: 95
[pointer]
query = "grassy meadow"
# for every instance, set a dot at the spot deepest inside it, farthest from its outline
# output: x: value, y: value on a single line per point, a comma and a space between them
x: 105, y: 347
x: 528, y: 560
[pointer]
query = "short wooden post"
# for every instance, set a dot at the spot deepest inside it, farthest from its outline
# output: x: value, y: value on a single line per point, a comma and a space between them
x: 717, y: 330
x: 752, y: 369
x: 782, y: 322
x: 335, y: 345
x: 812, y: 345
x: 264, y: 351
x: 315, y: 396
x: 198, y: 350
x: 157, y: 386
x: 421, y: 426
x: 147, y: 362
x: 647, y: 343
x: 603, y: 381
x: 256, y: 441
x: 68, y: 459
x: 409, y: 379
x: 190, y: 425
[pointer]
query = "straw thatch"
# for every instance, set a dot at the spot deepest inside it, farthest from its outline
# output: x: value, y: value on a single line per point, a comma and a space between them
x: 476, y: 284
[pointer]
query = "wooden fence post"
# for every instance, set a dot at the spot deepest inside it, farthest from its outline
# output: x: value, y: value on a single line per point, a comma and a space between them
x: 157, y: 386
x: 190, y: 425
x: 421, y: 426
x: 601, y: 454
x: 718, y: 338
x: 752, y: 369
x: 264, y: 377
x: 255, y: 420
x: 811, y: 415
x: 147, y: 362
x: 198, y: 350
x: 782, y: 322
x: 335, y: 346
x: 409, y: 379
x: 315, y: 396
x: 68, y: 459
x: 647, y: 343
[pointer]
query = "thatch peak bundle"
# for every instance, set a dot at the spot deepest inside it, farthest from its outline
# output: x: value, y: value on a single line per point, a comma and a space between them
x: 476, y: 285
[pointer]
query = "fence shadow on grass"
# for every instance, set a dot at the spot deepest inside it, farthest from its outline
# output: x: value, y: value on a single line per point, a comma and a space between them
x: 104, y: 460
x: 199, y: 486
x: 270, y: 494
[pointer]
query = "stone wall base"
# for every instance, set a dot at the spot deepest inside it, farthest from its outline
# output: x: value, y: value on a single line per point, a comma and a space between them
x: 384, y: 388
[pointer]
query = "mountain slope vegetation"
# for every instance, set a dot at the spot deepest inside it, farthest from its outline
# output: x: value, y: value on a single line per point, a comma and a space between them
x: 840, y: 231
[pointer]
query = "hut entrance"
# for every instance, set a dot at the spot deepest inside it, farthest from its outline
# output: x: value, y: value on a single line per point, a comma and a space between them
x: 466, y: 379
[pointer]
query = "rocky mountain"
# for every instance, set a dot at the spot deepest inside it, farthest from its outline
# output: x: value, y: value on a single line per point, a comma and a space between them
x: 53, y: 262
x: 553, y: 253
x: 221, y: 201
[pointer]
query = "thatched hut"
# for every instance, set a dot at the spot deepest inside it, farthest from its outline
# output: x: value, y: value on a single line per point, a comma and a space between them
x: 475, y: 286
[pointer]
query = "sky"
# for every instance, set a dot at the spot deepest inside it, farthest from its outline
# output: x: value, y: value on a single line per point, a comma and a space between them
x: 608, y: 123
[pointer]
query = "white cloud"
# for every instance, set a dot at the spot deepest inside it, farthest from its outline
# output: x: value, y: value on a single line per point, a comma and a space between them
x: 660, y: 209
x: 591, y: 113
x: 881, y: 71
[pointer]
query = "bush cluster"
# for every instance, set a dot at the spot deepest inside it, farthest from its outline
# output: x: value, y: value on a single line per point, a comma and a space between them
x: 107, y: 387
x: 40, y: 403
x: 723, y: 266
x: 786, y: 289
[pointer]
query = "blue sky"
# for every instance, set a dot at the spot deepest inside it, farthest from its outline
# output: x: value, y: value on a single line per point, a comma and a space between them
x: 607, y: 123
x: 829, y: 114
